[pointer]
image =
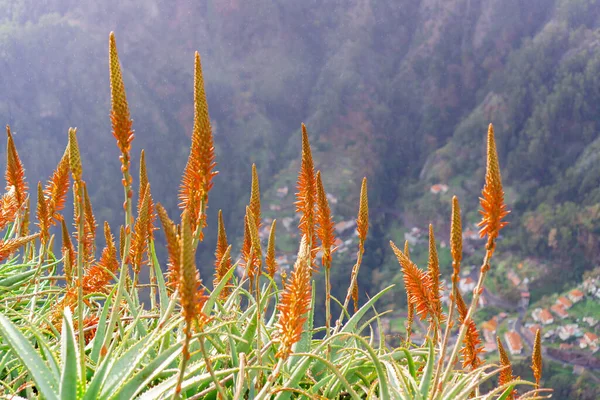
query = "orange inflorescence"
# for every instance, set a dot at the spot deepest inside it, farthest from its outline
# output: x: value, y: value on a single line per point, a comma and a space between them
x: 98, y: 276
x: 8, y: 208
x: 419, y: 286
x: 255, y: 197
x: 173, y: 247
x: 410, y: 306
x: 191, y: 294
x: 7, y: 247
x: 294, y: 303
x: 15, y: 173
x: 433, y: 269
x: 536, y: 358
x: 140, y: 238
x: 362, y: 222
x: 472, y: 342
x: 198, y: 174
x: 68, y: 253
x: 254, y: 261
x: 325, y: 227
x: 57, y: 188
x: 119, y: 113
x: 222, y: 256
x: 270, y: 260
x: 492, y: 200
x: 455, y: 239
x: 307, y: 192
x: 142, y: 189
x: 43, y: 215
x: 505, y: 375
x: 89, y: 225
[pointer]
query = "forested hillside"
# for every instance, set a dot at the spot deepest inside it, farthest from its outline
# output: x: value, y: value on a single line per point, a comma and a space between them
x: 400, y: 91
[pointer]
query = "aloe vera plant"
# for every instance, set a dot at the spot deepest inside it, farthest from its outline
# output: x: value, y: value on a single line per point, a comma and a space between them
x: 72, y: 327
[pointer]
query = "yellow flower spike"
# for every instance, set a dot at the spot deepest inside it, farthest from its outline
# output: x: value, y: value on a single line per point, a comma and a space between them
x: 536, y: 359
x: 222, y: 256
x: 433, y: 269
x: 456, y: 239
x: 362, y: 222
x: 15, y: 173
x: 119, y: 114
x: 74, y: 156
x: 270, y: 260
x: 255, y: 197
x: 256, y: 251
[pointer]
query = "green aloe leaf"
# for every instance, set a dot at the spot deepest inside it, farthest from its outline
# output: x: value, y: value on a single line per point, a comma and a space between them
x: 428, y: 372
x: 69, y: 378
x: 38, y: 369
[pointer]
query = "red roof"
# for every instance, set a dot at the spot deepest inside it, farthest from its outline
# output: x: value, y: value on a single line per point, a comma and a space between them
x: 559, y: 310
x: 576, y: 293
x: 514, y: 341
x: 545, y: 316
x: 564, y: 302
x: 534, y: 328
x: 590, y: 337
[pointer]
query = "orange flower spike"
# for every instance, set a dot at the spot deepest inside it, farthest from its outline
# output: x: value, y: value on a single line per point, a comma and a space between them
x: 456, y: 239
x: 325, y: 228
x: 255, y: 197
x: 433, y: 269
x: 256, y: 249
x: 198, y: 173
x: 362, y: 222
x: 68, y: 253
x: 11, y: 245
x: 270, y: 260
x: 409, y: 306
x: 505, y: 375
x: 418, y: 285
x: 42, y: 215
x: 140, y: 232
x: 10, y: 206
x: 221, y: 240
x: 472, y: 342
x: 536, y: 359
x: 247, y: 243
x: 119, y: 114
x: 143, y: 184
x: 295, y: 303
x: 90, y: 219
x: 98, y: 276
x: 15, y: 173
x: 306, y: 195
x: 191, y: 295
x: 173, y: 247
x: 223, y: 267
x: 57, y: 188
x: 492, y: 200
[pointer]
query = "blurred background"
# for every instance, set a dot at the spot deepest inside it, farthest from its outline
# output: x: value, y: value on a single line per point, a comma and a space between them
x: 399, y: 91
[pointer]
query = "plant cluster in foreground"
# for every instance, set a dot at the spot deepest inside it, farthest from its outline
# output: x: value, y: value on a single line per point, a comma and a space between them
x: 73, y: 327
